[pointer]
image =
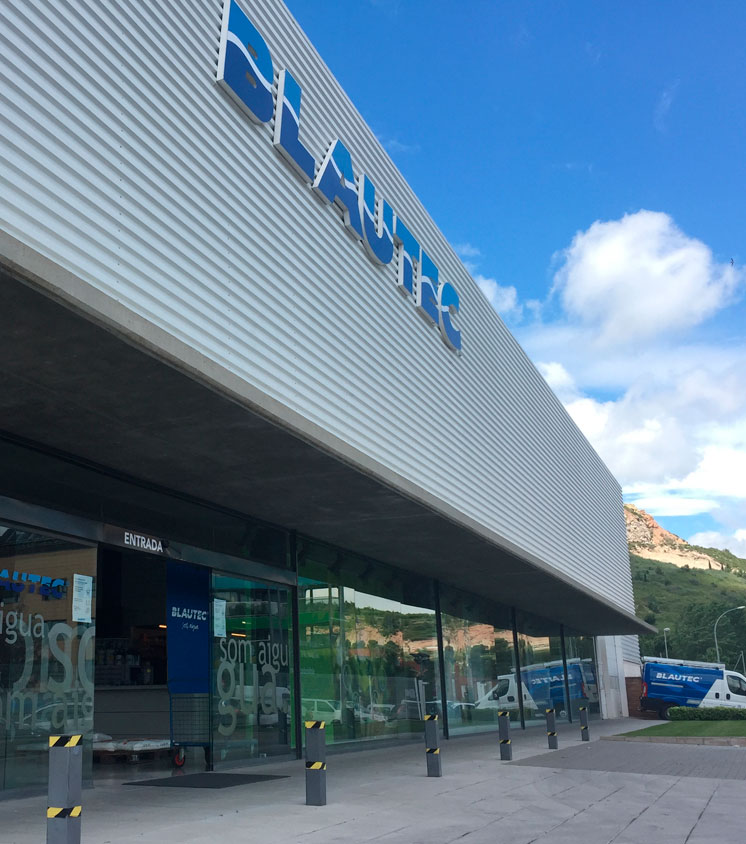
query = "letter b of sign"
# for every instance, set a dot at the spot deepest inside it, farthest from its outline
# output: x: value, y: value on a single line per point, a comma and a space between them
x: 245, y: 67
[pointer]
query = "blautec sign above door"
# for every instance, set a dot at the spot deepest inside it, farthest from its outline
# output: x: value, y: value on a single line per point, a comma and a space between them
x: 246, y: 71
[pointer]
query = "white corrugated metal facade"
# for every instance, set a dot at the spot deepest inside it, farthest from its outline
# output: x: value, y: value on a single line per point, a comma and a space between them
x: 126, y: 164
x: 631, y: 649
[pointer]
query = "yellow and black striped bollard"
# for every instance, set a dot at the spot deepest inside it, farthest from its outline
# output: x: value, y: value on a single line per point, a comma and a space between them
x: 65, y: 790
x: 506, y: 748
x: 315, y: 763
x: 432, y: 746
x: 584, y: 731
x: 552, y: 729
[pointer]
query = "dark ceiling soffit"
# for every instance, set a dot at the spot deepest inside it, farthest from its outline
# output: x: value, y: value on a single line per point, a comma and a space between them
x: 81, y: 389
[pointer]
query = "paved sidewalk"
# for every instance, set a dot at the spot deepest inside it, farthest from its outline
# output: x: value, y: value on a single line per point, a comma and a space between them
x: 383, y: 796
x: 680, y: 760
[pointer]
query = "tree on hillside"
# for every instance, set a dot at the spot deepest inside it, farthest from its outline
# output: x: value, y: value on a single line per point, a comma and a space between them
x: 691, y: 636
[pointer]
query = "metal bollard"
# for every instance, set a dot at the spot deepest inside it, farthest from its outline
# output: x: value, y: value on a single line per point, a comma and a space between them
x: 65, y: 790
x: 552, y: 729
x: 584, y: 731
x: 506, y: 748
x: 315, y: 764
x: 432, y: 747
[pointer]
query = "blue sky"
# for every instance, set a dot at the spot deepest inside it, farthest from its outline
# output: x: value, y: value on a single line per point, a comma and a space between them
x: 587, y: 161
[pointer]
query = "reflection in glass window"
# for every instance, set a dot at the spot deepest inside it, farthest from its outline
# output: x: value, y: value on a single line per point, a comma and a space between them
x: 479, y: 665
x: 47, y: 635
x: 251, y: 669
x: 369, y: 660
x: 542, y: 671
x: 582, y: 674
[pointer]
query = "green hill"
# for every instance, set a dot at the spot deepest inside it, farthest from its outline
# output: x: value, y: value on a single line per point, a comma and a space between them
x: 725, y: 558
x: 688, y: 601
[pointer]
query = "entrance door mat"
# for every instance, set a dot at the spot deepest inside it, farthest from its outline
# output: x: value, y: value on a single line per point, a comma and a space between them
x: 206, y: 780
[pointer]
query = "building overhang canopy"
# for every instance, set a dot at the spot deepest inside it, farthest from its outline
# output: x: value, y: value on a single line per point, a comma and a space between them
x: 75, y: 386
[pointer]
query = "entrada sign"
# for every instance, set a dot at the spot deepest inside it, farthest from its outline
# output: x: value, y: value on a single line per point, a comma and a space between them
x: 144, y: 543
x: 246, y: 71
x: 139, y: 541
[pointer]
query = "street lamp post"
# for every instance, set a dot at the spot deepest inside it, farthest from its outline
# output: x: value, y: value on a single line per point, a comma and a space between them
x: 715, y: 629
x: 665, y: 639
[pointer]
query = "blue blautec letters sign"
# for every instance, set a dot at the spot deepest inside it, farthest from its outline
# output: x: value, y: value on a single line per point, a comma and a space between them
x: 246, y: 72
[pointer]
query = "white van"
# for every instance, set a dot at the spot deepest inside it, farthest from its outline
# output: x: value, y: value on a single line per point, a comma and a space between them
x: 676, y: 682
x: 504, y: 695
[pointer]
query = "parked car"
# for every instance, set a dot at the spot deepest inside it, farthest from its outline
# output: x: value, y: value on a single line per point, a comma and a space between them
x: 386, y: 710
x: 410, y: 709
x: 320, y: 709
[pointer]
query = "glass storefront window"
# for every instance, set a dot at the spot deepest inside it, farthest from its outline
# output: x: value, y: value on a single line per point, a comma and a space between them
x: 582, y: 674
x: 369, y: 660
x: 479, y: 663
x: 251, y: 669
x: 47, y: 632
x: 542, y: 670
x: 369, y: 657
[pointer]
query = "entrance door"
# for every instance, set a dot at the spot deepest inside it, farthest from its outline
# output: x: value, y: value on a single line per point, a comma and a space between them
x: 251, y: 669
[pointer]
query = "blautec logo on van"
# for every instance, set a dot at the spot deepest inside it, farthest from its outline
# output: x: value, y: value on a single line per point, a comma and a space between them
x: 247, y: 73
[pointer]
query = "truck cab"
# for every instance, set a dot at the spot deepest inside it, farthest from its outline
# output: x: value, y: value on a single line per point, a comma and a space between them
x: 504, y: 695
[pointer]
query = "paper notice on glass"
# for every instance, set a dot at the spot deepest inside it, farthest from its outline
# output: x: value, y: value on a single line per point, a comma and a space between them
x: 218, y: 617
x: 82, y: 598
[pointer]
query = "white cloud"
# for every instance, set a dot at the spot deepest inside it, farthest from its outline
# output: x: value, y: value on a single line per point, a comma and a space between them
x: 735, y: 542
x: 720, y: 471
x: 675, y: 505
x: 559, y: 379
x: 504, y: 299
x: 466, y: 250
x: 640, y: 277
x: 663, y: 106
x: 578, y: 166
x: 394, y: 145
x: 667, y: 412
x: 591, y: 417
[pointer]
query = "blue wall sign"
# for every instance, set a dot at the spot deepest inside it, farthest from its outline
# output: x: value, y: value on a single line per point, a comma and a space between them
x: 188, y: 626
x: 246, y: 72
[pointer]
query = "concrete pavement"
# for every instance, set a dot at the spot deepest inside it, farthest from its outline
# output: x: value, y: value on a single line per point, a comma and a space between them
x: 680, y: 760
x: 383, y: 796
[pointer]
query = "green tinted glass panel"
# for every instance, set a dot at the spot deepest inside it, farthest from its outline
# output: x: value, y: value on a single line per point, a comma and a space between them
x: 480, y: 674
x: 368, y: 658
x: 251, y: 677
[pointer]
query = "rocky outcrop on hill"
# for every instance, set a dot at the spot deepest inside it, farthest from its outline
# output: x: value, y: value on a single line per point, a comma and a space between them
x: 647, y: 538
